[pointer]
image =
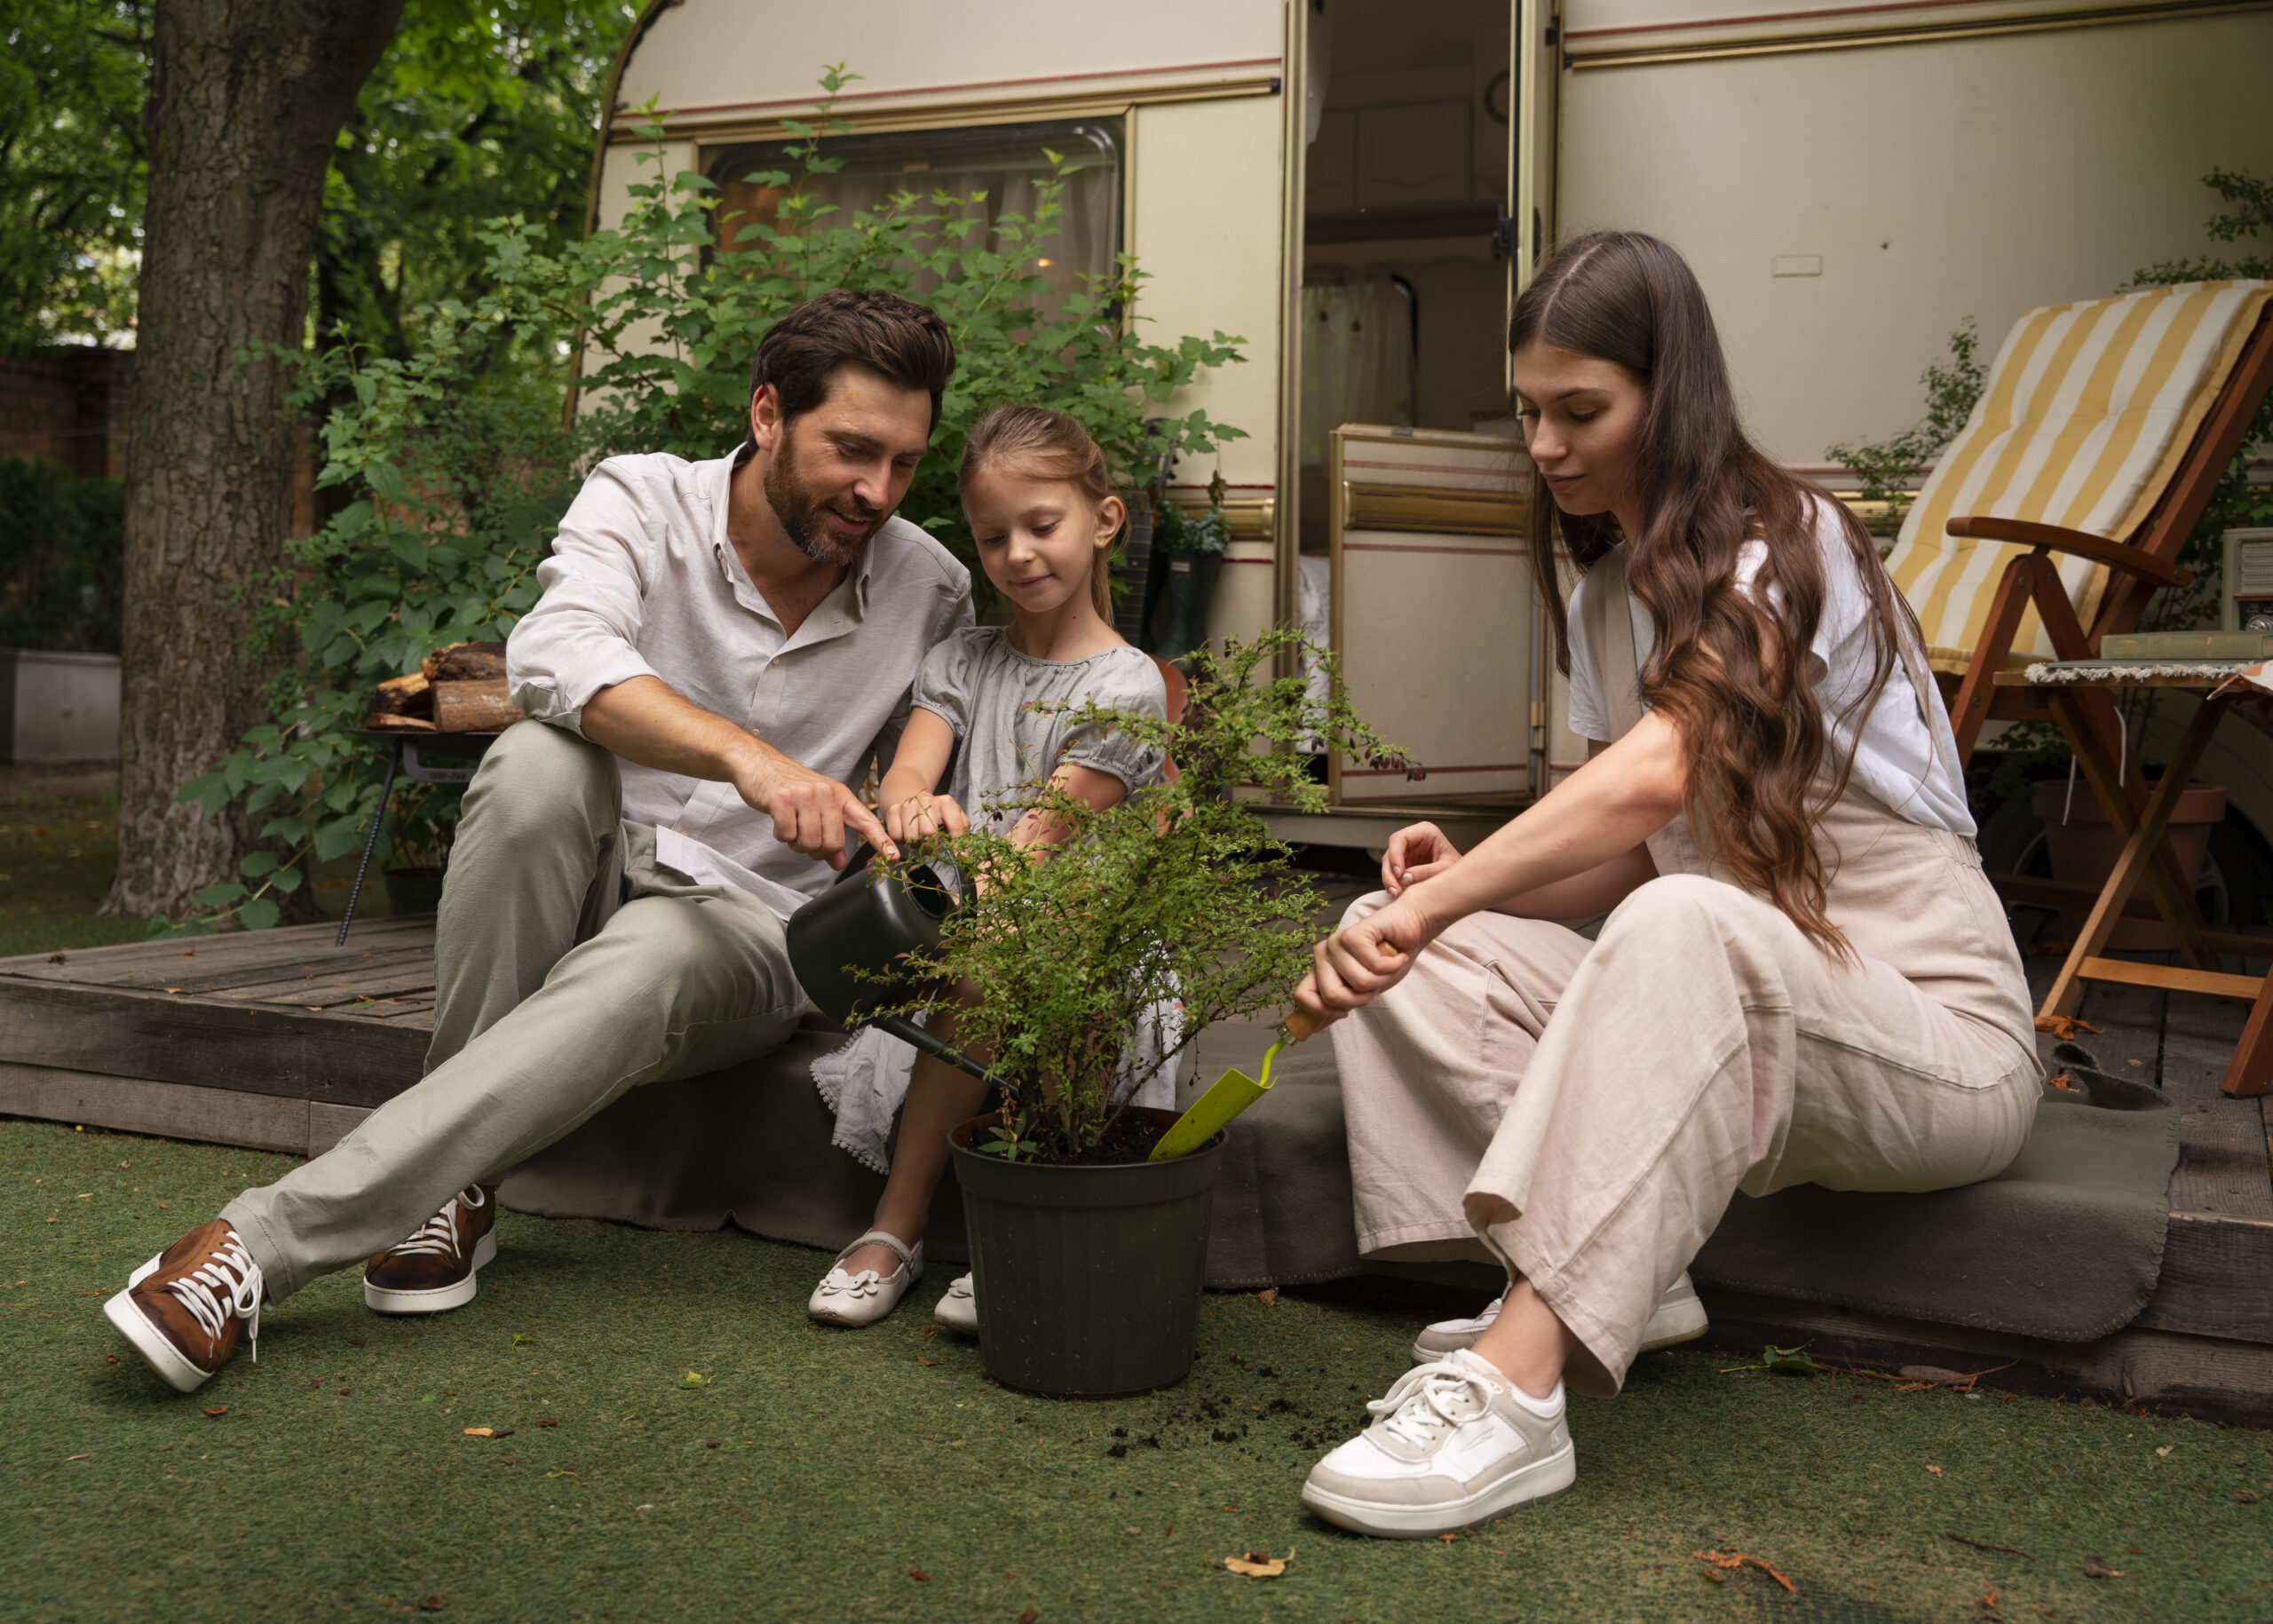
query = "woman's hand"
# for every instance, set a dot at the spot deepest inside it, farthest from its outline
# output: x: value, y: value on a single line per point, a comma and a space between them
x: 1414, y: 855
x: 924, y: 814
x: 1358, y: 963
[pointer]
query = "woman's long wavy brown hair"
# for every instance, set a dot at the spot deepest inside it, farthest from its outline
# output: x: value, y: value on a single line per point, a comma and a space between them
x: 1752, y: 728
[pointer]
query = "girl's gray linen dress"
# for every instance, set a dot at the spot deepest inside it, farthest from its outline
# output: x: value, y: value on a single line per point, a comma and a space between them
x: 986, y: 691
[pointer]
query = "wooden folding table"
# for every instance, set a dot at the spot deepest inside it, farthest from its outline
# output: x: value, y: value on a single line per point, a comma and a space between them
x: 2226, y: 688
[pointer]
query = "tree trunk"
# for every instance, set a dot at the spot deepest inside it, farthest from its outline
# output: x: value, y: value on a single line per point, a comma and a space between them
x: 246, y: 99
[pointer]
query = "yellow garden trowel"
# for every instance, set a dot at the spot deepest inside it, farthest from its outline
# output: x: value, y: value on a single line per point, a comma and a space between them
x: 1234, y: 1092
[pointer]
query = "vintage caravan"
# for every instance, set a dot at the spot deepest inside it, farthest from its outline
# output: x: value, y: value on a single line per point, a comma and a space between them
x: 1357, y: 188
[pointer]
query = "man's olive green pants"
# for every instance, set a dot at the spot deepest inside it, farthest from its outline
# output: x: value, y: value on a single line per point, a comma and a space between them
x: 568, y: 968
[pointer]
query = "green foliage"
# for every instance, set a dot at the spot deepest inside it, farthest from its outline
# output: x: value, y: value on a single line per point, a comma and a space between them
x: 1890, y: 468
x: 61, y: 557
x: 1181, y: 533
x: 1175, y: 893
x: 480, y: 108
x: 448, y: 472
x: 674, y: 321
x: 72, y: 168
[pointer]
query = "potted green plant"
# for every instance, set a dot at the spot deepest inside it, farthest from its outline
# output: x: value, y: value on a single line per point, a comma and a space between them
x: 1188, y: 551
x: 1088, y: 1256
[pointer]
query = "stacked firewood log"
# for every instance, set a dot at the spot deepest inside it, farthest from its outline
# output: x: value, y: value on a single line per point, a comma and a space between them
x: 460, y: 689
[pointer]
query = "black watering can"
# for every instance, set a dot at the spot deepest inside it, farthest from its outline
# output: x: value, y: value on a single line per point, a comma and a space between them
x: 849, y: 948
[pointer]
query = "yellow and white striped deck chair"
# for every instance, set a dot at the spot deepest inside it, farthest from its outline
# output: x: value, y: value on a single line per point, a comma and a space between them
x: 2100, y: 433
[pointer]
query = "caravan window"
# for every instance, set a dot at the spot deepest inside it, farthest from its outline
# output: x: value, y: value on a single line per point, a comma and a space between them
x: 1003, y: 160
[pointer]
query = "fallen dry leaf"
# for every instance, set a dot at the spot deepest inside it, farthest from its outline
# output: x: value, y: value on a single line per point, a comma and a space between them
x: 1935, y: 1469
x: 1259, y: 1564
x: 2245, y: 1497
x: 1270, y: 1296
x: 922, y: 1361
x: 355, y: 1342
x: 479, y: 1433
x: 77, y: 1457
x: 2094, y: 1568
x: 1988, y: 1600
x: 913, y: 1573
x: 549, y: 1421
x: 2064, y: 1026
x: 1028, y: 1617
x: 2059, y: 1080
x: 1448, y: 1538
x: 2165, y: 1450
x: 431, y: 1604
x: 1736, y: 1559
x: 713, y: 1442
x: 110, y: 1358
x: 218, y: 1409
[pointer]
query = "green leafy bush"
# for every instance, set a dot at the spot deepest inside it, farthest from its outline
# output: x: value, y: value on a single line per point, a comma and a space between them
x: 1889, y: 469
x: 62, y: 557
x: 1175, y: 893
x: 456, y: 476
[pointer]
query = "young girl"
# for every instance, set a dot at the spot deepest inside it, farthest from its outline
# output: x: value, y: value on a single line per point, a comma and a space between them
x: 1044, y: 516
x: 1807, y: 978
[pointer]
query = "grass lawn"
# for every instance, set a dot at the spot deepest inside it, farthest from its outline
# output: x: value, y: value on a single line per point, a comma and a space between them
x: 58, y: 841
x: 677, y: 1441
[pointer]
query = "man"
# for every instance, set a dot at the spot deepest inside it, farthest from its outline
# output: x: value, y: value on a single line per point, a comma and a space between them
x: 720, y: 648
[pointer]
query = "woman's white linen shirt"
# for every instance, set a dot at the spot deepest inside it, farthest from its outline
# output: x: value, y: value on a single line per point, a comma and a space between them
x: 1896, y: 762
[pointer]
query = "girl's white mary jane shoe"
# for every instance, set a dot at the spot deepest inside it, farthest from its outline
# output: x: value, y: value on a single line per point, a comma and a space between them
x: 868, y: 1297
x: 958, y: 1310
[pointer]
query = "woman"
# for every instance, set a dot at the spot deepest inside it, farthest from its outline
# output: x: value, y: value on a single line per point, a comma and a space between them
x: 1804, y: 976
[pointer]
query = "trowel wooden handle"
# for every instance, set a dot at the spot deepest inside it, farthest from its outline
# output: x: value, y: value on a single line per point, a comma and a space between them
x: 1300, y: 1024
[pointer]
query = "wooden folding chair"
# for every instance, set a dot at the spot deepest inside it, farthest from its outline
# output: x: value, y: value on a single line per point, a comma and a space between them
x: 2100, y: 434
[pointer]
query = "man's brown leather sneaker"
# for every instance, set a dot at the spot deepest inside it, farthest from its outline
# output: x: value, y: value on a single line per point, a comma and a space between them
x: 181, y: 1310
x: 434, y: 1269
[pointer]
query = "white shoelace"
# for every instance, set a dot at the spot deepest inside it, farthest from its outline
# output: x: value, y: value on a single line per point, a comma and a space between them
x: 1420, y: 1405
x: 439, y: 1233
x: 228, y: 1284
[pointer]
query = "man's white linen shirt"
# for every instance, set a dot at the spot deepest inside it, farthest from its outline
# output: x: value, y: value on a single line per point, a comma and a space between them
x: 643, y: 581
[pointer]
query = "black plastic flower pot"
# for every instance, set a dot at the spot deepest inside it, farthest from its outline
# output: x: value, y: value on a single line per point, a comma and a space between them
x: 1088, y: 1277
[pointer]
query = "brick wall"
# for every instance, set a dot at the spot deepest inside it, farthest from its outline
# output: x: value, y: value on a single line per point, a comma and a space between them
x: 68, y: 406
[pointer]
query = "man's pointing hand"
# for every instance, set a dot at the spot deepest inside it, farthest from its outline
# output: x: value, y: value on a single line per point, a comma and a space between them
x: 810, y: 812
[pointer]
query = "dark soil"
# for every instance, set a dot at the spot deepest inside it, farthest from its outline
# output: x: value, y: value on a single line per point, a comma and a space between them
x: 1127, y: 1138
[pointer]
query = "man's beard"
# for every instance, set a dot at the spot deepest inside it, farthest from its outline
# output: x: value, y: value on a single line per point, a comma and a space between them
x: 799, y: 508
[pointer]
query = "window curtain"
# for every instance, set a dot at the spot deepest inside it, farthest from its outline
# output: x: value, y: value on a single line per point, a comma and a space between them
x: 1357, y: 353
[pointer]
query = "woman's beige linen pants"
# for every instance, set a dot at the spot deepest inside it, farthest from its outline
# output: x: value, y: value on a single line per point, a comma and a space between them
x: 1586, y: 1109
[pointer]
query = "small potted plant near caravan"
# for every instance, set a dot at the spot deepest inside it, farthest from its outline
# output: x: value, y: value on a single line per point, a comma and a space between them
x: 1087, y: 1256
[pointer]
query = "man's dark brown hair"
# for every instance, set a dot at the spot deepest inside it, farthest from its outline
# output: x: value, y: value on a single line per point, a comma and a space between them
x: 884, y: 332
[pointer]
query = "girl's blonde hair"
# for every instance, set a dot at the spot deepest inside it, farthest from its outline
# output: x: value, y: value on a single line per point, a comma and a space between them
x: 1046, y: 445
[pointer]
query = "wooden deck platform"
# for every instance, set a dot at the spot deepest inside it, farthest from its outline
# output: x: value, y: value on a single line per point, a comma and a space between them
x: 283, y: 1042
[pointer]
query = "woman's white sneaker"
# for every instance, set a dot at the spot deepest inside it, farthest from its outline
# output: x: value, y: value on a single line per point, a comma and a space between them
x: 1679, y: 1316
x: 958, y: 1310
x: 1453, y: 1445
x: 866, y: 1297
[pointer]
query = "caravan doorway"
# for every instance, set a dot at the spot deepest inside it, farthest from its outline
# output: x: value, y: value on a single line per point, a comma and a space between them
x: 1412, y: 557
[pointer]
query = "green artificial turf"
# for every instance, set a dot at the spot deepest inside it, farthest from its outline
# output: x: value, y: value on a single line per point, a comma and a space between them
x: 817, y: 1474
